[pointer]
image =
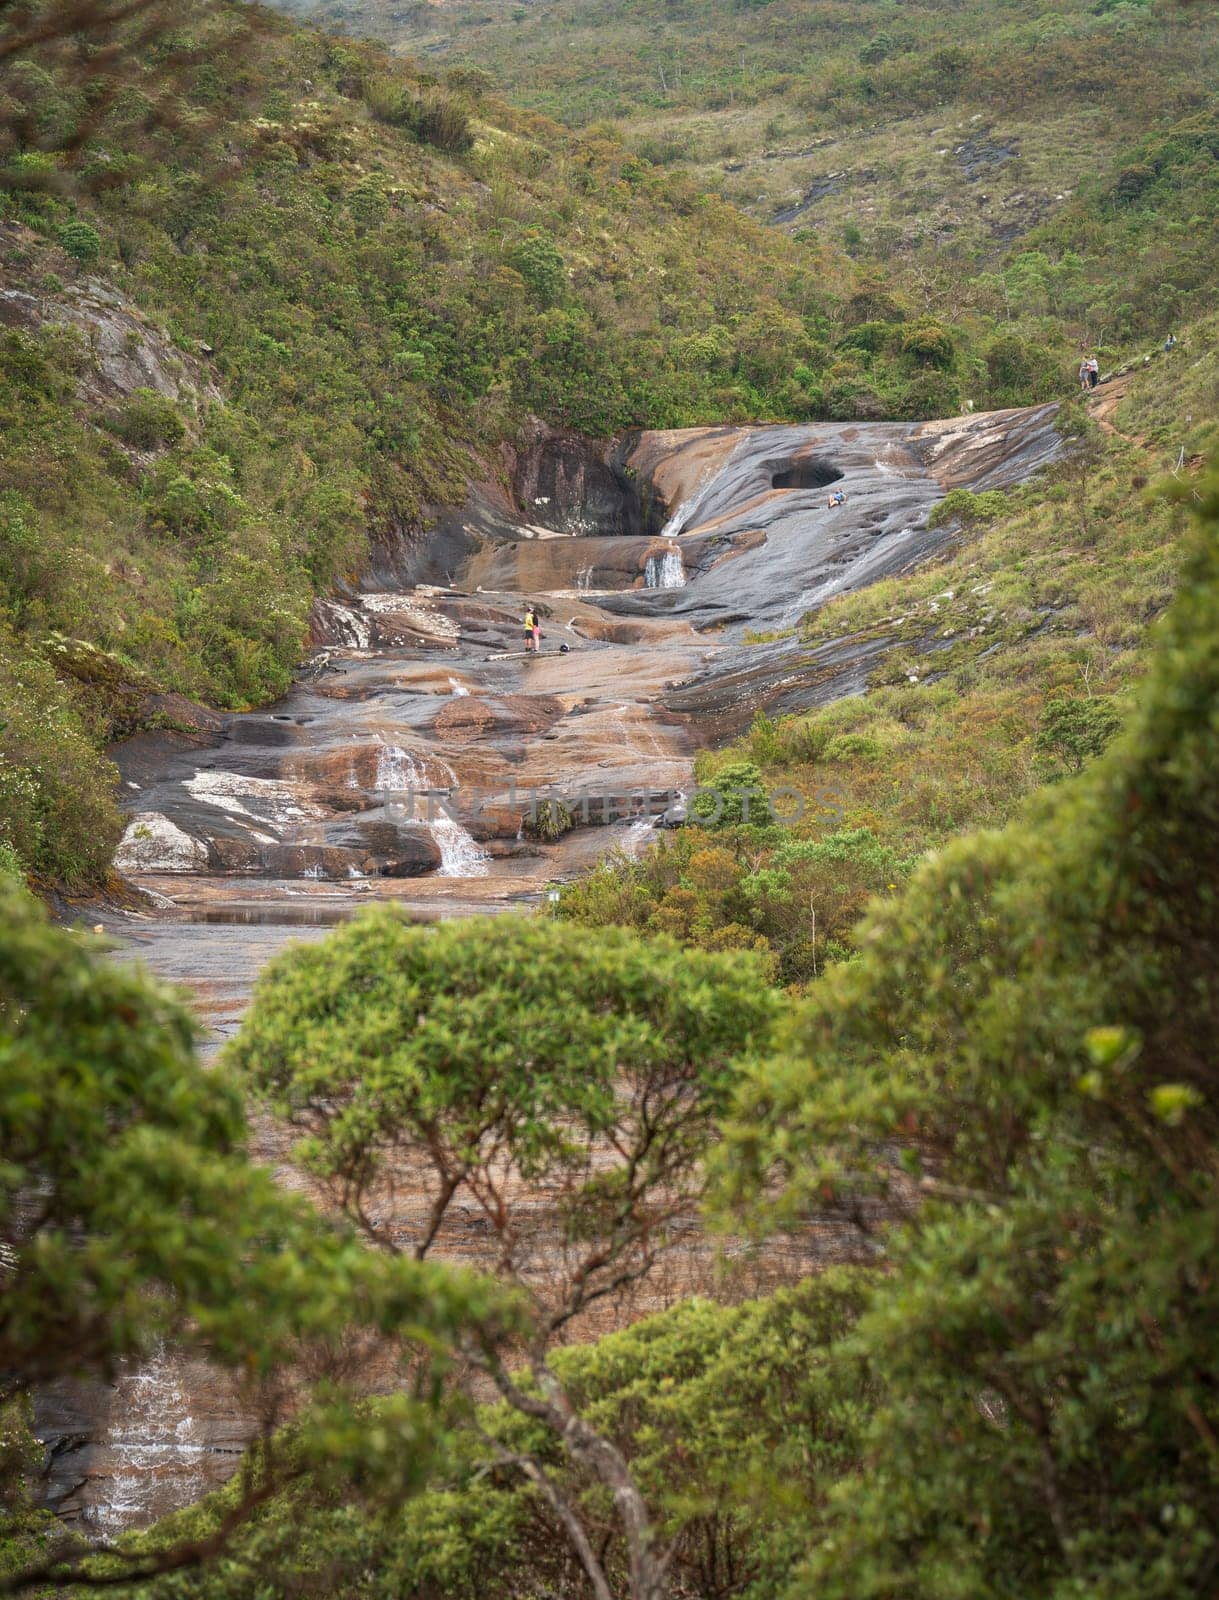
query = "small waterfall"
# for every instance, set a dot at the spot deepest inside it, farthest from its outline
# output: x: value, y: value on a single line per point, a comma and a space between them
x: 349, y: 627
x: 665, y: 572
x: 639, y: 835
x: 460, y: 855
x: 677, y: 521
x: 397, y: 771
x: 158, y: 1451
x: 401, y: 773
x: 458, y: 689
x: 584, y: 578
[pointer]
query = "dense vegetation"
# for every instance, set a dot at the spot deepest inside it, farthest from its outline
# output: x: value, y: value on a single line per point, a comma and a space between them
x: 941, y: 132
x: 1041, y: 176
x: 1016, y: 1393
x: 132, y: 1215
x: 261, y: 297
x: 233, y: 353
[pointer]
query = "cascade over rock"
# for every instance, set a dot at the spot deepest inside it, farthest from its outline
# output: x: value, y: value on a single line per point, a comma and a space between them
x: 405, y: 762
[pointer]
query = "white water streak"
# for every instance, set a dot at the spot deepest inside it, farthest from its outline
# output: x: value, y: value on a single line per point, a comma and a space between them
x: 665, y: 572
x: 400, y: 772
x: 155, y: 1442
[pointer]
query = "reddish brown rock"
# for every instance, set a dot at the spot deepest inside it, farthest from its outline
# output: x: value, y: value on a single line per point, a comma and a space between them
x: 465, y: 717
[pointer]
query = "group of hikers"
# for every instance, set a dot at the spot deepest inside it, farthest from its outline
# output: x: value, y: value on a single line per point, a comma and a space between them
x: 1089, y: 367
x: 533, y: 629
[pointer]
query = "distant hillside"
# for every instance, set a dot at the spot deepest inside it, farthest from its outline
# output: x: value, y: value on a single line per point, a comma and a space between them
x: 936, y: 133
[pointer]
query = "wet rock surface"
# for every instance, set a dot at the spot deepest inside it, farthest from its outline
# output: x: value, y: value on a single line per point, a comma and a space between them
x: 404, y: 763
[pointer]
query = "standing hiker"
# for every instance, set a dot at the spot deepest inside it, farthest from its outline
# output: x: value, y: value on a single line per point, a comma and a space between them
x: 1085, y: 375
x: 1093, y: 372
x: 531, y: 629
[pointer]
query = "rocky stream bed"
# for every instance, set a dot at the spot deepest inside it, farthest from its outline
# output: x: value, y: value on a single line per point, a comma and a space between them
x: 404, y: 763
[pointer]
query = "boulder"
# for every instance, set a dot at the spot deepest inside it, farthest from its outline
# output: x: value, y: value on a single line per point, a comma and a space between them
x: 468, y: 717
x: 311, y: 861
x: 398, y: 849
x: 234, y: 855
x: 152, y: 843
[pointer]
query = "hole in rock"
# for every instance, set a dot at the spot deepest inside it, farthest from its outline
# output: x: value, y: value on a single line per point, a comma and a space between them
x: 814, y: 473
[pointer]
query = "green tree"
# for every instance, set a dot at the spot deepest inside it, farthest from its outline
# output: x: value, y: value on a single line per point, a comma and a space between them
x: 1033, y: 1025
x: 734, y: 795
x: 538, y: 260
x: 476, y: 1065
x: 736, y: 1421
x: 81, y: 241
x: 1072, y: 729
x: 132, y: 1216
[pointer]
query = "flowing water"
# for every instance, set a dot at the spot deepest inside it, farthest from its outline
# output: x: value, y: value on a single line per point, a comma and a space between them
x: 403, y: 764
x: 665, y: 572
x: 404, y: 781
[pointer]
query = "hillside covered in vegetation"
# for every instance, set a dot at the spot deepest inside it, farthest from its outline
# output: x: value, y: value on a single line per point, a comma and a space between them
x: 315, y: 306
x: 265, y: 309
x: 1016, y: 159
x: 937, y: 1060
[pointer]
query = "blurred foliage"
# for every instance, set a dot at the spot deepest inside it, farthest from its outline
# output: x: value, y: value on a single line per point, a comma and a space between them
x: 1009, y: 1101
x: 1033, y: 1023
x: 132, y: 1216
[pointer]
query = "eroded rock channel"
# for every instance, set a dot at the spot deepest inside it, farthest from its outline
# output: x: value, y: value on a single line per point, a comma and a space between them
x: 406, y: 760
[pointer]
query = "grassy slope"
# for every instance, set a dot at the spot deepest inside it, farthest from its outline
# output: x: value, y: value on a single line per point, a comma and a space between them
x: 762, y: 99
x: 376, y: 313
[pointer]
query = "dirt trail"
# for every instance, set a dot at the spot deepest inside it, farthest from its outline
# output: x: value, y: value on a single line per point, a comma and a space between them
x: 1103, y: 403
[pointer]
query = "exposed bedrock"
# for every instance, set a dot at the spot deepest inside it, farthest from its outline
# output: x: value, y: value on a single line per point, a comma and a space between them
x: 404, y: 762
x: 571, y: 486
x: 425, y: 690
x: 577, y: 563
x: 552, y: 483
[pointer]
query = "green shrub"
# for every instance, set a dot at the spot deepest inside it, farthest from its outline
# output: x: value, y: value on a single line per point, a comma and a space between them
x: 539, y: 261
x: 1020, y: 372
x: 1073, y: 730
x: 82, y: 242
x: 853, y: 747
x: 148, y: 421
x: 435, y: 116
x: 441, y: 118
x: 548, y: 819
x: 388, y: 100
x: 929, y: 344
x: 964, y: 506
x: 58, y: 816
x: 1028, y: 1033
x: 734, y: 795
x: 1132, y: 181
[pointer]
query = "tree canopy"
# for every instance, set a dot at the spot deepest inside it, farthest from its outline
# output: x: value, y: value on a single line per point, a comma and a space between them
x: 1033, y: 1024
x: 131, y: 1213
x: 563, y: 1085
